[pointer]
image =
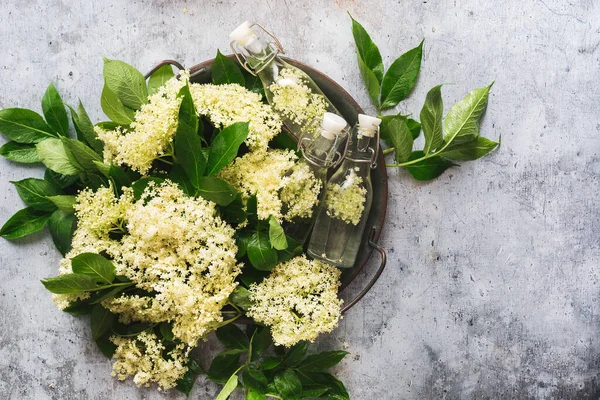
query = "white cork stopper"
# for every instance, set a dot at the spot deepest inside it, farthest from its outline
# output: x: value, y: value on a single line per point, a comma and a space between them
x: 332, y: 125
x: 368, y: 124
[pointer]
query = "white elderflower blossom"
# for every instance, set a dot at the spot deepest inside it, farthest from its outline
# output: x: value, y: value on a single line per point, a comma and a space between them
x: 298, y: 300
x: 225, y: 105
x: 294, y: 99
x: 171, y: 245
x: 301, y: 192
x: 266, y: 175
x: 150, y: 134
x: 142, y: 357
x: 346, y: 202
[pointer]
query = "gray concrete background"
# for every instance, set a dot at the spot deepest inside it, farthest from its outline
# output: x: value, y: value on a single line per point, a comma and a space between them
x: 493, y: 282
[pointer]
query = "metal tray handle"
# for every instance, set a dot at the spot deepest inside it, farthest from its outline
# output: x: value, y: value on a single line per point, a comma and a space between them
x: 382, y: 263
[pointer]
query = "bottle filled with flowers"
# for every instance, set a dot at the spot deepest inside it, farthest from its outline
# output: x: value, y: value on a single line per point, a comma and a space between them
x: 318, y: 144
x: 347, y: 199
x: 289, y: 90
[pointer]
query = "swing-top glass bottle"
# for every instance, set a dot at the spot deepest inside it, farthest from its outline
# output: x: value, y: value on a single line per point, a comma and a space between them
x: 289, y: 90
x: 318, y: 144
x: 342, y: 218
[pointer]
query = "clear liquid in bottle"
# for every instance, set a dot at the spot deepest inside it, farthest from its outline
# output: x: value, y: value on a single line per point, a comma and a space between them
x: 347, y: 199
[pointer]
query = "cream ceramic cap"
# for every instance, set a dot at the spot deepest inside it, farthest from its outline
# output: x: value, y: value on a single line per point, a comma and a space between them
x: 369, y: 124
x: 332, y: 125
x: 242, y: 33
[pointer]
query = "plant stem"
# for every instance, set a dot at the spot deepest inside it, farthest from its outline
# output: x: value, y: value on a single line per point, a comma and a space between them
x: 388, y: 151
x: 406, y: 163
x: 273, y: 396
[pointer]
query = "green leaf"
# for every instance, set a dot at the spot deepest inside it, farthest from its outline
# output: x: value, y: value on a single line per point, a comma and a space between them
x: 313, y: 390
x: 262, y: 341
x: 82, y: 154
x: 224, y: 70
x: 224, y: 365
x: 24, y: 126
x: 107, y: 125
x: 85, y: 128
x: 293, y: 249
x: 159, y: 78
x: 336, y: 389
x: 367, y: 51
x: 178, y: 176
x: 53, y: 155
x: 166, y: 330
x: 54, y: 111
x: 414, y: 126
x: 276, y: 234
x: 24, y: 222
x: 252, y: 395
x: 429, y: 168
x: 107, y: 347
x: 229, y: 387
x: 70, y: 284
x: 35, y: 193
x: 270, y: 363
x: 140, y: 185
x: 216, y: 190
x: 126, y: 82
x: 295, y: 354
x: 64, y: 203
x: 431, y: 119
x: 110, y: 293
x: 114, y: 109
x: 400, y: 136
x: 234, y: 212
x: 252, y: 209
x: 401, y: 77
x: 78, y: 307
x: 63, y: 181
x: 186, y: 383
x: 470, y: 150
x: 224, y: 147
x: 255, y: 380
x: 241, y: 297
x: 232, y: 337
x: 370, y: 80
x: 95, y: 266
x: 262, y: 256
x: 61, y: 227
x: 462, y: 121
x: 20, y: 152
x: 322, y: 361
x: 101, y: 321
x: 188, y: 146
x: 288, y: 384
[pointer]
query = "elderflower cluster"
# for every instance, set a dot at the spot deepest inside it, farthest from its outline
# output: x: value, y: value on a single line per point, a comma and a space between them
x: 346, y: 202
x: 150, y: 134
x: 173, y: 247
x: 268, y: 174
x: 143, y: 357
x: 301, y: 192
x: 224, y: 105
x: 298, y: 300
x: 294, y: 99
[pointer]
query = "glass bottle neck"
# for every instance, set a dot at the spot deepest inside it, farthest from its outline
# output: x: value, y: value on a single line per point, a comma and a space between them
x: 362, y: 144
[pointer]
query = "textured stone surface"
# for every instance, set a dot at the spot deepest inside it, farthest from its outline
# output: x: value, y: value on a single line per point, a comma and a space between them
x: 492, y: 285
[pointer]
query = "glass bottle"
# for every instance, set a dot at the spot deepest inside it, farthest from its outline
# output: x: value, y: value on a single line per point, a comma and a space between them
x: 289, y: 90
x: 318, y: 143
x: 347, y: 199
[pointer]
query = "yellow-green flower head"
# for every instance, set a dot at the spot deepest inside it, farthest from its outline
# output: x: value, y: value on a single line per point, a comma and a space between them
x: 294, y: 100
x: 298, y: 300
x: 172, y: 245
x: 266, y: 175
x: 346, y: 201
x: 142, y: 358
x: 224, y: 105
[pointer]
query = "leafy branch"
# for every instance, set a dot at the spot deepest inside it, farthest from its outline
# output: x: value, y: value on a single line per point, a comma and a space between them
x: 453, y: 138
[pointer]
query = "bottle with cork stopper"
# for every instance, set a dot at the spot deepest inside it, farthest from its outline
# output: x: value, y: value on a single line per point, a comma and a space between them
x: 342, y: 218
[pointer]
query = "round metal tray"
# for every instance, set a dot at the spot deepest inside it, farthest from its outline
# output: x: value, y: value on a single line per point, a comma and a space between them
x: 349, y: 108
